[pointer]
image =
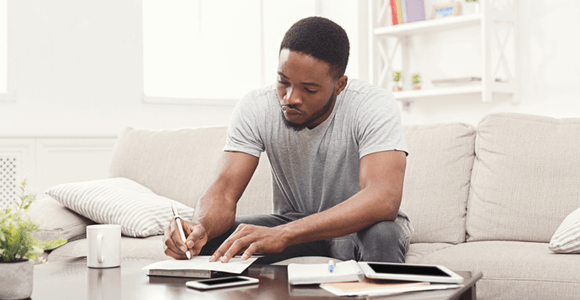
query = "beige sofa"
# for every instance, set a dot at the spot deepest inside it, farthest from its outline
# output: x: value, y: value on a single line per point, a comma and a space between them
x: 483, y: 199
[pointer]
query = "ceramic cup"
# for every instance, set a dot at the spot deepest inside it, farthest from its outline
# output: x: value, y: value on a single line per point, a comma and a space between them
x: 104, y: 246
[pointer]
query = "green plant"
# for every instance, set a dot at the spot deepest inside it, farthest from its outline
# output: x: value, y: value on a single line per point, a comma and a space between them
x: 416, y: 78
x: 470, y: 0
x: 396, y: 76
x: 17, y: 242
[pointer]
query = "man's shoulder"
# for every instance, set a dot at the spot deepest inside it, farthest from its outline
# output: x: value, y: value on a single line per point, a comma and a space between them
x: 361, y: 93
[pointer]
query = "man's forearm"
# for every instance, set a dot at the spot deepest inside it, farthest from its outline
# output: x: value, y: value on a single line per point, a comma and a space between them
x: 214, y: 214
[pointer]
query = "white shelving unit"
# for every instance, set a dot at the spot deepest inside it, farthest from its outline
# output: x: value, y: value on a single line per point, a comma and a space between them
x: 488, y: 19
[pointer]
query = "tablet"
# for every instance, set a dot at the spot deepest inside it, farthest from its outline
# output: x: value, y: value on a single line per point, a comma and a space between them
x: 410, y: 272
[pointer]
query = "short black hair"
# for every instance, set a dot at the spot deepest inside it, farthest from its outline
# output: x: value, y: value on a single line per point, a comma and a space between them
x: 322, y: 39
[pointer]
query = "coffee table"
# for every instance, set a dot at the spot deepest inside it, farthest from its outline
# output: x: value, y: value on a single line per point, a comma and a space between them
x: 71, y: 279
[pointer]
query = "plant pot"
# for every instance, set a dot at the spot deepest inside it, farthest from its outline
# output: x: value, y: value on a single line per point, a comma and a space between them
x: 417, y: 87
x: 16, y: 279
x: 397, y: 89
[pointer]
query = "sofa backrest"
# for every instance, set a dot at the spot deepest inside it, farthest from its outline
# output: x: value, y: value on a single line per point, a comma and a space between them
x: 526, y: 177
x: 437, y: 180
x: 181, y: 164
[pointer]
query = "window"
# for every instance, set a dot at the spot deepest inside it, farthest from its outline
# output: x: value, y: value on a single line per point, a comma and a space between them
x: 215, y: 51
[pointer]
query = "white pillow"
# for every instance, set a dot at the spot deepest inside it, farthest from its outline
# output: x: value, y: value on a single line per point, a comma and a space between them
x: 121, y: 201
x: 567, y: 236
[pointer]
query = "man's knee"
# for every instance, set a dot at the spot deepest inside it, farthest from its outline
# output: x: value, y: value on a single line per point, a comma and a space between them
x: 384, y: 241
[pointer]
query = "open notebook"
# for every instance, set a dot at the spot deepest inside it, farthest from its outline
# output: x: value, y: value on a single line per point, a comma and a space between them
x: 319, y: 273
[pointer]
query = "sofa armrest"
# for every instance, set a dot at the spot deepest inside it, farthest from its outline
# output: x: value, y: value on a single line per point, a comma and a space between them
x: 56, y: 221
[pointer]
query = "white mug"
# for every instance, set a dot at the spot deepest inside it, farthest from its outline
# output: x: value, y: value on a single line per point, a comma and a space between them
x: 104, y: 246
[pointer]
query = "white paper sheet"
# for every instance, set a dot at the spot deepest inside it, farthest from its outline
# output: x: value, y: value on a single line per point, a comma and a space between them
x: 235, y: 265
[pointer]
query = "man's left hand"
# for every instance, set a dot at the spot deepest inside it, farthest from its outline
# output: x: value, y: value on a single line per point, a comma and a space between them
x: 250, y: 239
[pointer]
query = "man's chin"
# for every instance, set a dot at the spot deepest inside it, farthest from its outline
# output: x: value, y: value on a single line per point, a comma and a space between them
x: 293, y: 126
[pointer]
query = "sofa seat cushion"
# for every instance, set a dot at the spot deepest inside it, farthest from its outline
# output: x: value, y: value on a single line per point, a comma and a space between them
x: 150, y: 248
x: 437, y: 180
x: 418, y: 251
x: 513, y: 270
x: 525, y: 177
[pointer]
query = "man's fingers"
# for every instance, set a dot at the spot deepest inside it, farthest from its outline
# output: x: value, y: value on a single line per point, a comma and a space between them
x: 176, y: 237
x: 250, y: 251
x: 168, y: 239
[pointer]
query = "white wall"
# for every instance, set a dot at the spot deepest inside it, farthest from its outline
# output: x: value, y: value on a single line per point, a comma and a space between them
x: 75, y: 67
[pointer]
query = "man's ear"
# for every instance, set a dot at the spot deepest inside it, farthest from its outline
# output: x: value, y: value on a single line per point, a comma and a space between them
x: 340, y: 84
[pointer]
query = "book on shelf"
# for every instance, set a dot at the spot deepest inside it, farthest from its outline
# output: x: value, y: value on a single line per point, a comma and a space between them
x: 394, y: 12
x: 375, y: 287
x: 399, y: 11
x: 319, y: 273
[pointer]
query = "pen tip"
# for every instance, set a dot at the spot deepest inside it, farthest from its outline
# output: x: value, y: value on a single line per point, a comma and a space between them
x: 188, y: 255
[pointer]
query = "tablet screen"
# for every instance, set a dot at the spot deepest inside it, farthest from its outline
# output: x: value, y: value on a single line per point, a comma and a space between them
x: 408, y: 270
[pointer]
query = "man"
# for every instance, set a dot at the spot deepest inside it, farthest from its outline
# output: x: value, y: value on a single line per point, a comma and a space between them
x: 338, y: 160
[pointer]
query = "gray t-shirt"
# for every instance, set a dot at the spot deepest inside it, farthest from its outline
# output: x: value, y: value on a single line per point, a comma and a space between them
x: 315, y: 169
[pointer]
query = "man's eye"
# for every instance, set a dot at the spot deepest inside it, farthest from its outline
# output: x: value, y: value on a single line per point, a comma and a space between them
x: 283, y: 82
x: 311, y: 91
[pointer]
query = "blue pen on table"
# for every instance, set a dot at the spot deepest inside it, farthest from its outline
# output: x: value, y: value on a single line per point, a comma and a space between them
x: 331, y: 265
x: 178, y: 221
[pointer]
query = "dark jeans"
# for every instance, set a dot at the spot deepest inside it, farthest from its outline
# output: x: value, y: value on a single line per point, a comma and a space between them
x: 385, y: 241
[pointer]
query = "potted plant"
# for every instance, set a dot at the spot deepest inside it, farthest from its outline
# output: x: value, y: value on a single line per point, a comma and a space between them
x: 417, y: 81
x: 397, y: 79
x: 19, y: 248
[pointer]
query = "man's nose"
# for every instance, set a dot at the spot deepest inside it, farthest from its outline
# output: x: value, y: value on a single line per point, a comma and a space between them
x: 292, y: 98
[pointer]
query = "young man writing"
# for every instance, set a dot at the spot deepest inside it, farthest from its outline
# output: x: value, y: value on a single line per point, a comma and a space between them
x: 338, y: 160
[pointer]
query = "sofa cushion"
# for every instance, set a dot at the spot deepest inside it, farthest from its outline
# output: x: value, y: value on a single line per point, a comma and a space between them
x: 181, y: 164
x: 513, y: 270
x: 525, y: 177
x: 567, y: 236
x: 437, y: 180
x: 56, y: 221
x: 120, y: 201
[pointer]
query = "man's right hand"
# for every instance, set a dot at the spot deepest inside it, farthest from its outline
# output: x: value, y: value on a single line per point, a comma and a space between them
x: 175, y: 247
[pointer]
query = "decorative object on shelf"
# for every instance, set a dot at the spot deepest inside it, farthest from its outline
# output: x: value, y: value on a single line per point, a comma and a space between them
x: 414, y: 10
x: 470, y: 7
x: 417, y: 81
x: 19, y: 248
x: 448, y: 82
x: 444, y: 10
x: 397, y: 81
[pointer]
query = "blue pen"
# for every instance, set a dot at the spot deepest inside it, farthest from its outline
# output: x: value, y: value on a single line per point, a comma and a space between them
x: 331, y: 265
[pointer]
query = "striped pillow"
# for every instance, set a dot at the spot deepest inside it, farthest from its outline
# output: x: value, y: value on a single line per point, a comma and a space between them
x: 567, y: 236
x: 121, y: 201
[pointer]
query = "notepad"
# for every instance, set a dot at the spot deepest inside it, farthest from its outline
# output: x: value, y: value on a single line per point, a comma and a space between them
x: 373, y: 287
x: 318, y: 273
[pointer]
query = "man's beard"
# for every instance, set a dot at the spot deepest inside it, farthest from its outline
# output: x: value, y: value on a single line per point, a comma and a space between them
x: 315, y: 116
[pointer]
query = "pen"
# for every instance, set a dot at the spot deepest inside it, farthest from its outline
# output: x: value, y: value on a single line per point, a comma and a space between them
x: 178, y: 220
x: 331, y: 265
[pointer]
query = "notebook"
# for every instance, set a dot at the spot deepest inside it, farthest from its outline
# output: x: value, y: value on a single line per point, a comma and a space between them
x: 319, y: 273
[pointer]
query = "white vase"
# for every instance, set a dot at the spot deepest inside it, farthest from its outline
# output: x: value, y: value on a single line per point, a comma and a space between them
x: 16, y: 279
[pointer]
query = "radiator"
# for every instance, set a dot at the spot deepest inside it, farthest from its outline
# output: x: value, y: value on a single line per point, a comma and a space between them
x: 9, y: 186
